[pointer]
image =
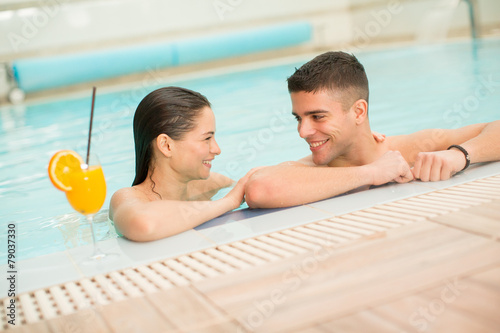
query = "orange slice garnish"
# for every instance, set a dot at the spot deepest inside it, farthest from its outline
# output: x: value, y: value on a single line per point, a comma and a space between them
x: 61, y: 165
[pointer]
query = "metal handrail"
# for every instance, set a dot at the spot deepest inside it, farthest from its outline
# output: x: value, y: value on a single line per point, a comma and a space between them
x: 472, y: 17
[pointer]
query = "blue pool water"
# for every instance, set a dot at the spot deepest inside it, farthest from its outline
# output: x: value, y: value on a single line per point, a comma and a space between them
x: 412, y: 88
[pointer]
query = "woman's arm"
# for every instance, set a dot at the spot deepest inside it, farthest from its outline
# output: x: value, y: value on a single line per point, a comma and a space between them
x: 141, y: 220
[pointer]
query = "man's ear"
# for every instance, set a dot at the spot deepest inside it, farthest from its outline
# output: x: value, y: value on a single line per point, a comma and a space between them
x: 165, y: 144
x: 360, y: 108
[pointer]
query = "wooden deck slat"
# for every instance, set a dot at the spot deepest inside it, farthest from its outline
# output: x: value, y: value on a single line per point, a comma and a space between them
x: 428, y: 205
x: 399, y: 213
x: 184, y: 270
x: 449, y: 204
x: 187, y: 309
x: 342, y: 225
x: 303, y: 236
x: 281, y: 244
x: 367, y: 226
x: 404, y: 209
x: 140, y: 281
x: 135, y: 314
x: 404, y: 312
x: 453, y: 305
x: 30, y: 309
x: 320, y: 235
x: 169, y: 274
x: 489, y: 279
x: 108, y: 288
x: 198, y: 266
x: 268, y: 248
x: 484, y: 220
x: 494, y: 181
x: 45, y: 304
x: 96, y: 297
x: 296, y: 241
x: 154, y: 277
x: 474, y: 301
x: 216, y: 263
x: 332, y: 231
x: 358, y: 216
x: 384, y: 218
x: 230, y: 260
x: 411, y: 257
x: 363, y: 321
x: 62, y: 302
x: 423, y: 209
x: 311, y: 329
x: 462, y: 198
x: 255, y: 251
x: 478, y: 188
x: 251, y: 259
x: 85, y: 321
x: 125, y: 284
x: 38, y: 327
x: 473, y: 192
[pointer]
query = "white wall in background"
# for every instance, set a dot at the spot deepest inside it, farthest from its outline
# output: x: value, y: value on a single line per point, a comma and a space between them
x: 59, y: 25
x: 411, y: 15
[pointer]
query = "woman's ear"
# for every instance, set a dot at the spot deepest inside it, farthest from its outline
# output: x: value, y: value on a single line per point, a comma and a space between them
x: 164, y: 144
x: 360, y: 108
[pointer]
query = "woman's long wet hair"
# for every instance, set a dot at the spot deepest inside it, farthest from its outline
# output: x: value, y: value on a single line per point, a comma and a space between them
x: 172, y: 111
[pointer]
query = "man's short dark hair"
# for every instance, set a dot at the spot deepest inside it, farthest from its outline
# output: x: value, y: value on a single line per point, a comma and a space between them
x: 336, y: 72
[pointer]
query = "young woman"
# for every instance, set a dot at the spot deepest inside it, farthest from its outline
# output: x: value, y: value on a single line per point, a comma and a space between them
x: 174, y: 148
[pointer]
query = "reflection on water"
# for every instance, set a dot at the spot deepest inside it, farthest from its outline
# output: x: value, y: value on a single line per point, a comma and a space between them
x: 12, y: 117
x: 76, y: 231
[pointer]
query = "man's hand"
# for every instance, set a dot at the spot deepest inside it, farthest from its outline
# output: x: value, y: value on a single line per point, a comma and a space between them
x: 379, y: 137
x: 438, y: 165
x: 390, y: 167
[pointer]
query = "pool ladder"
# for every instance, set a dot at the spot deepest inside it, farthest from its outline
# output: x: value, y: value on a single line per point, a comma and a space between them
x: 436, y: 23
x: 472, y: 17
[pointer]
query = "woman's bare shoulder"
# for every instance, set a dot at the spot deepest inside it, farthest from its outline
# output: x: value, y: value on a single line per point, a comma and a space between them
x: 127, y: 193
x: 126, y: 196
x: 207, y: 188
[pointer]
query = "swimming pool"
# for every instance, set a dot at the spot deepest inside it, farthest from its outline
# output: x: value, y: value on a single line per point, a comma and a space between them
x: 412, y: 88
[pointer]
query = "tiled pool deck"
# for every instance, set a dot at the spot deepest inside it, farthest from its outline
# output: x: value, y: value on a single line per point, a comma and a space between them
x: 389, y: 279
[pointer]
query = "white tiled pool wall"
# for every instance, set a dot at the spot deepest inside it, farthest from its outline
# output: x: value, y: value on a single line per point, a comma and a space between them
x: 54, y: 27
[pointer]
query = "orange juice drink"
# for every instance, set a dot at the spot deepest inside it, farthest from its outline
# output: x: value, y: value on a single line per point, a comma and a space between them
x: 88, y: 190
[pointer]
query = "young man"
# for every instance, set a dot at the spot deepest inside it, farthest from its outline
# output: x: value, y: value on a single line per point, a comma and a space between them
x: 330, y: 102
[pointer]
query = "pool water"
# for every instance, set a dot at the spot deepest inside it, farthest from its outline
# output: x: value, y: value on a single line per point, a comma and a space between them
x: 412, y: 88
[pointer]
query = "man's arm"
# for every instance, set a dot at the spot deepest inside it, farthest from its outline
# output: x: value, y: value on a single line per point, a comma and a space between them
x: 438, y: 163
x: 485, y: 147
x: 295, y: 183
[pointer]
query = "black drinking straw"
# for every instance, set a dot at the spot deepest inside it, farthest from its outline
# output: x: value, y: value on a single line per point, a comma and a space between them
x: 90, y: 126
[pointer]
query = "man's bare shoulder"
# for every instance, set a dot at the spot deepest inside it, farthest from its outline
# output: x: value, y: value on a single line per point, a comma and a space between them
x: 434, y: 138
x: 397, y: 141
x: 305, y: 161
x: 429, y: 140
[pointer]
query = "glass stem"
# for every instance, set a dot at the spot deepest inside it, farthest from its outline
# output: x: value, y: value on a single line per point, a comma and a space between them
x: 97, y: 251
